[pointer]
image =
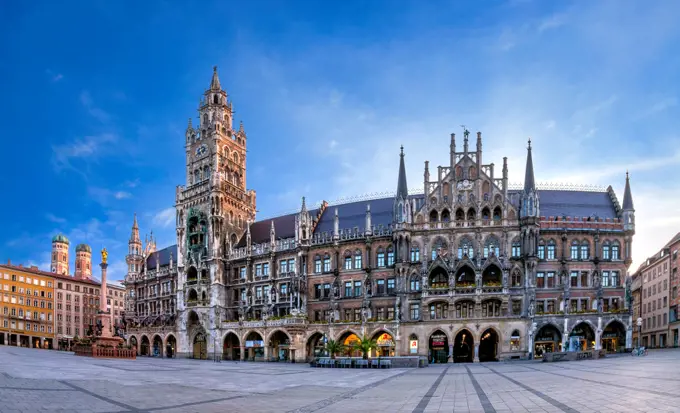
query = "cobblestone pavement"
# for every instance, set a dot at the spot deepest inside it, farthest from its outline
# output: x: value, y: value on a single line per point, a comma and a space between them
x: 33, y: 380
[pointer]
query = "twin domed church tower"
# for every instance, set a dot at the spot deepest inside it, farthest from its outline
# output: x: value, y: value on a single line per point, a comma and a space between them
x: 60, y: 258
x: 469, y: 269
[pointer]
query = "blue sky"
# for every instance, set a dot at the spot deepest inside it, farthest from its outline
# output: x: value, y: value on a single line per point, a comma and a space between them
x: 96, y: 96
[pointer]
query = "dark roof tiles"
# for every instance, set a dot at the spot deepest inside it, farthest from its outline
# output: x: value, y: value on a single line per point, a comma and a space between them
x: 163, y: 256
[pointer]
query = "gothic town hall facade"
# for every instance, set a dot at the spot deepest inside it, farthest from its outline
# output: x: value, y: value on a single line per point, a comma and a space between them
x: 470, y: 270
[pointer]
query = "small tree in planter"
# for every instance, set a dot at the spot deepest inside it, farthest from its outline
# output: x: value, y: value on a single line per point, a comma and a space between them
x: 365, y: 345
x: 333, y: 347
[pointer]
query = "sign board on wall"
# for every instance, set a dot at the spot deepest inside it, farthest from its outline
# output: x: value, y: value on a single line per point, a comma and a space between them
x: 413, y: 346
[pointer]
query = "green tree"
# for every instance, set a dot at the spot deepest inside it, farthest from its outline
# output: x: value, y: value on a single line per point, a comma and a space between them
x: 365, y: 345
x: 333, y: 347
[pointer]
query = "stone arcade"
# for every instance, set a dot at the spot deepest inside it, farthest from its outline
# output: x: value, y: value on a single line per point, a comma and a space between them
x: 470, y: 269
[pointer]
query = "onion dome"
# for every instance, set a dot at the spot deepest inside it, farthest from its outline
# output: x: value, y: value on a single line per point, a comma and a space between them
x: 83, y: 248
x: 60, y: 238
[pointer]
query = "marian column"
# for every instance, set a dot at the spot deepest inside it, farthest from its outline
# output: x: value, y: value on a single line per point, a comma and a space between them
x: 104, y: 315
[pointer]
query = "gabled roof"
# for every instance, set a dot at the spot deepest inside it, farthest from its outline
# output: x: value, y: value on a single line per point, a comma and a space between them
x: 555, y: 203
x: 163, y: 255
x: 353, y: 215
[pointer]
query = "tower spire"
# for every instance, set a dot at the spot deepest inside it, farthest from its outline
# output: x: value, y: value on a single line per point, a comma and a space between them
x: 402, y: 188
x: 627, y: 196
x: 215, y: 82
x: 529, y: 183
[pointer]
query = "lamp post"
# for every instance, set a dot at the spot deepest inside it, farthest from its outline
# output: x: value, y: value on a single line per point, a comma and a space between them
x: 639, y: 324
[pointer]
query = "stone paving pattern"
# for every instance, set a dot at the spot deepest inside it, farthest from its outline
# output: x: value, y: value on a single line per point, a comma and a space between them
x: 33, y: 380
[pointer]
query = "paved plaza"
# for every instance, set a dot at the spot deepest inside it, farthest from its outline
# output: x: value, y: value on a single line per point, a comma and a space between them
x: 34, y: 380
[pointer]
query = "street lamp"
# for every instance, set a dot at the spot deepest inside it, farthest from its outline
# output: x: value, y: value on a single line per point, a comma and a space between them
x: 639, y: 324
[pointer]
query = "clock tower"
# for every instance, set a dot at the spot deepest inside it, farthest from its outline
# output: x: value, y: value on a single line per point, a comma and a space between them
x: 213, y: 210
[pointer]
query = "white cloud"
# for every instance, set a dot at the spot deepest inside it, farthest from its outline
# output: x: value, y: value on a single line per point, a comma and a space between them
x: 657, y: 107
x: 105, y: 196
x: 551, y: 22
x: 81, y: 151
x: 54, y: 77
x: 53, y: 218
x: 122, y: 195
x: 164, y: 218
x: 94, y: 111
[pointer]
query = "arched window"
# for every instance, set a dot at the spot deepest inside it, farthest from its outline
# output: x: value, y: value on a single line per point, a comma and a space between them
x: 206, y: 172
x: 415, y: 283
x: 551, y: 249
x: 225, y: 153
x: 439, y: 311
x: 465, y: 248
x: 216, y: 99
x: 491, y: 247
x: 605, y: 250
x: 348, y: 260
x: 585, y: 250
x: 357, y: 259
x: 460, y: 215
x: 317, y: 264
x: 515, y: 341
x: 437, y: 248
x: 574, y: 250
x: 540, y: 250
x: 235, y: 157
x: 434, y: 217
x: 516, y: 248
x: 465, y: 309
x: 439, y: 278
x: 390, y: 255
x: 497, y: 215
x: 615, y: 251
x: 446, y: 215
x: 471, y: 214
x: 516, y: 278
x: 205, y: 120
x: 415, y: 254
x: 197, y: 176
x: 491, y: 308
x: 326, y: 263
x: 486, y: 214
x: 380, y: 262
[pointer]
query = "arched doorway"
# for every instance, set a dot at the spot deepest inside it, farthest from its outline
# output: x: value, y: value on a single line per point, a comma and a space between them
x: 439, y: 347
x: 347, y: 340
x: 491, y: 276
x: 547, y: 340
x: 439, y: 278
x: 488, y: 345
x: 465, y: 277
x: 279, y: 346
x: 134, y: 344
x: 170, y: 346
x: 200, y: 350
x: 385, y: 344
x: 315, y: 346
x: 144, y: 348
x: 254, y: 346
x: 231, y: 349
x: 463, y: 347
x: 614, y: 337
x: 157, y: 349
x: 581, y: 338
x: 192, y: 275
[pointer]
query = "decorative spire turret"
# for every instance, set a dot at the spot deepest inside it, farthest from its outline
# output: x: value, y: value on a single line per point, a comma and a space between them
x: 272, y: 235
x: 336, y: 225
x: 628, y: 213
x: 400, y: 200
x: 529, y: 205
x: 452, y: 151
x: 368, y: 230
x: 215, y: 82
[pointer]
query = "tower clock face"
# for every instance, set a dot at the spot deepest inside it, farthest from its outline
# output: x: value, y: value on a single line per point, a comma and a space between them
x: 464, y: 185
x: 201, y: 150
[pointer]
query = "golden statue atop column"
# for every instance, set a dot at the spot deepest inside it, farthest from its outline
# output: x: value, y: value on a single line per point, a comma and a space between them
x: 105, y: 255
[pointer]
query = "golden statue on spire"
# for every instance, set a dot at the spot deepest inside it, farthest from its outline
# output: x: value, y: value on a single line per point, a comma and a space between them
x: 105, y: 256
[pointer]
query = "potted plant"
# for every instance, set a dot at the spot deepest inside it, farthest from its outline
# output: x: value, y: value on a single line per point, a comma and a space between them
x: 333, y: 347
x: 365, y: 345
